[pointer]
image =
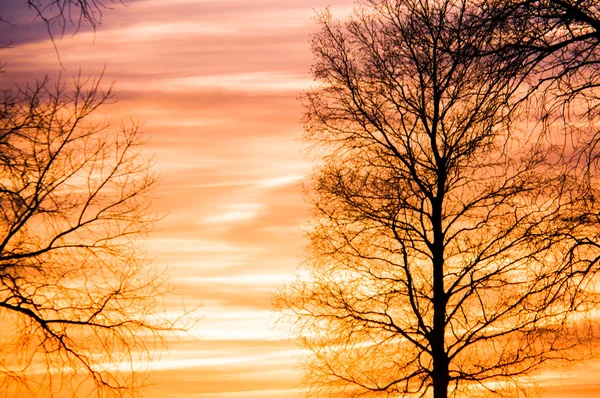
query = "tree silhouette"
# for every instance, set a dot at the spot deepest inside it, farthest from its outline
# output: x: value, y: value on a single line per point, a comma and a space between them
x: 453, y: 249
x: 75, y: 12
x: 81, y: 309
x: 78, y: 301
x: 58, y: 16
x: 568, y: 31
x: 557, y: 44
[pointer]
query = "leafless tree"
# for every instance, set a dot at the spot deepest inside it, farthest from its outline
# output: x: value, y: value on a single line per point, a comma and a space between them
x: 60, y: 16
x: 62, y: 13
x: 453, y: 250
x: 566, y: 31
x: 557, y: 42
x: 80, y: 307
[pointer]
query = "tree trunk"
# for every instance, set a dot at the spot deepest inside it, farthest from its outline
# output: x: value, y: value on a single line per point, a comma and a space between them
x: 440, y: 358
x: 440, y: 375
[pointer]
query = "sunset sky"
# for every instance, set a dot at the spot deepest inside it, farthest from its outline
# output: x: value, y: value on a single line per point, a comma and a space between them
x: 215, y: 83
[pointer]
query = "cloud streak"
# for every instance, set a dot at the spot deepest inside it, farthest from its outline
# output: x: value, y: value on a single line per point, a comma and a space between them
x: 216, y: 83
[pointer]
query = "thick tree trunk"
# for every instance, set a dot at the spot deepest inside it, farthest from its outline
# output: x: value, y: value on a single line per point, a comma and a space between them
x: 440, y: 358
x: 440, y: 376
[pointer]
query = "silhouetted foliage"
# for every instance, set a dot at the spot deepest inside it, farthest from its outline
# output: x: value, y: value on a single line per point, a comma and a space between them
x: 453, y: 248
x: 78, y: 301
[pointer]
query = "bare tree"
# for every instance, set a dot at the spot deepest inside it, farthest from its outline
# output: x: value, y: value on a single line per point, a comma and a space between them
x: 557, y: 42
x: 452, y: 249
x: 566, y: 31
x: 75, y: 13
x: 60, y: 16
x: 81, y: 308
x: 71, y: 11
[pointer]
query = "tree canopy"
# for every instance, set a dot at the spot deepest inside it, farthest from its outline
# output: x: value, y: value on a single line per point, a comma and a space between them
x: 81, y: 306
x: 454, y: 246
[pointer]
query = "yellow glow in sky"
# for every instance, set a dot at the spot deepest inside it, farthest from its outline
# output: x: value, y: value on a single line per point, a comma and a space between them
x: 216, y: 83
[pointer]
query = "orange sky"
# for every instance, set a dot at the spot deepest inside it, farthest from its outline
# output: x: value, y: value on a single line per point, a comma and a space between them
x: 216, y: 83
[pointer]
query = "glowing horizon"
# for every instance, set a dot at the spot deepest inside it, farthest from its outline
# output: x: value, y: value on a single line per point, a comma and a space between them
x: 215, y: 83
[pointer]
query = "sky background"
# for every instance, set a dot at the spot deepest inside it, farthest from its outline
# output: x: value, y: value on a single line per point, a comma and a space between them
x: 216, y: 84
